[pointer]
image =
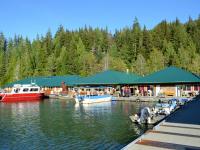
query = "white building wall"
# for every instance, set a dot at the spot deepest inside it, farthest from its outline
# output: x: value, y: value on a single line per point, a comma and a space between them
x: 157, y: 89
x: 178, y: 93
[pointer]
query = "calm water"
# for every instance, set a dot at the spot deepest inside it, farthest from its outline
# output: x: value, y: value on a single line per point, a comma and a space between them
x: 60, y: 124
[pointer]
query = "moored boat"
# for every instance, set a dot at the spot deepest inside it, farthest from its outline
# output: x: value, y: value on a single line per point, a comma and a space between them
x: 65, y: 97
x: 165, y: 108
x: 154, y: 115
x: 147, y: 116
x: 150, y: 120
x: 88, y: 99
x: 22, y: 92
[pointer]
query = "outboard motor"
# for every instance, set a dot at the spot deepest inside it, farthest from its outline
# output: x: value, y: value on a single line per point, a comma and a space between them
x: 145, y: 115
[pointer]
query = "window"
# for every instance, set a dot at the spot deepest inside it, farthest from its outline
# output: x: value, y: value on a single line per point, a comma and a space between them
x: 184, y: 88
x: 188, y: 88
x: 25, y: 90
x: 196, y: 88
x: 34, y: 89
x: 16, y: 90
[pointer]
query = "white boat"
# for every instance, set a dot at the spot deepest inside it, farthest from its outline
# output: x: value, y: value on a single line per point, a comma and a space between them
x: 156, y: 114
x: 183, y: 101
x: 65, y: 97
x: 88, y: 99
x: 165, y: 108
x: 150, y: 120
x: 146, y: 116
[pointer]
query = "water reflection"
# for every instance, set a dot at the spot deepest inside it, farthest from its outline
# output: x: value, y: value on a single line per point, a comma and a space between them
x: 95, y: 109
x: 61, y: 124
x: 17, y: 121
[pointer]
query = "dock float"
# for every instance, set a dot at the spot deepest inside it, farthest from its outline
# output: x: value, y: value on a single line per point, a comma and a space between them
x: 180, y: 131
x: 137, y: 99
x: 143, y: 98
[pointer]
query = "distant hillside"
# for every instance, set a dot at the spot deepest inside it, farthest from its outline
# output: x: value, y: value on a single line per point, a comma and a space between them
x: 86, y: 50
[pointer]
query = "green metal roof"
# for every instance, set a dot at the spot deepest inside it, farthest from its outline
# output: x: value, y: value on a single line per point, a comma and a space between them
x: 48, y: 81
x: 169, y: 75
x: 109, y: 77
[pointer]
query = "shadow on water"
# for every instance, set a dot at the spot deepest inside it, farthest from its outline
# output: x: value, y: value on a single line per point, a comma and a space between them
x: 188, y: 114
x: 61, y: 124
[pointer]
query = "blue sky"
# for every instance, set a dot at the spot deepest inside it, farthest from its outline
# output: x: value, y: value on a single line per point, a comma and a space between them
x: 32, y: 17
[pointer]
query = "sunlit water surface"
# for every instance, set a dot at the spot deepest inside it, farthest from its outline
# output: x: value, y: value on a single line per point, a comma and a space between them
x: 61, y: 124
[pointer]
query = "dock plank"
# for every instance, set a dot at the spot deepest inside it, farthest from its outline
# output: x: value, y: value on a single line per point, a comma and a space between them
x: 175, y: 139
x: 179, y: 130
x: 144, y: 147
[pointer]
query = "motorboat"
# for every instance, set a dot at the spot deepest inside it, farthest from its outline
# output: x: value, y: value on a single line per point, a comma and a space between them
x: 65, y: 97
x: 88, y: 99
x: 146, y: 116
x: 22, y: 92
x: 183, y: 101
x: 165, y: 108
x: 156, y: 114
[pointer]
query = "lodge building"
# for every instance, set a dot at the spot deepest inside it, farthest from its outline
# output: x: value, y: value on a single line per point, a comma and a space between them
x: 171, y: 81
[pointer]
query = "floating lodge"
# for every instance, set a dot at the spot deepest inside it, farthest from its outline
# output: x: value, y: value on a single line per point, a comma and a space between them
x: 171, y: 81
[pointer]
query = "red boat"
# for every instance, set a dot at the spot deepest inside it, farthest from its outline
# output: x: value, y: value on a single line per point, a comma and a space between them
x: 22, y: 92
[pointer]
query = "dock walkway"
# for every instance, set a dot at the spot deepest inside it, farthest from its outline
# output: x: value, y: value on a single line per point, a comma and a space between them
x: 180, y: 131
x: 144, y: 98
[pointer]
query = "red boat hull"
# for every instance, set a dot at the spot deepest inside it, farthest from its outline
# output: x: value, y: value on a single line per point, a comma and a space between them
x: 15, y: 97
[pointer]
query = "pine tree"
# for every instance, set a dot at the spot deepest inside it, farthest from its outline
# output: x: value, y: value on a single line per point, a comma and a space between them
x: 48, y: 43
x: 59, y: 41
x: 3, y: 58
x: 183, y: 59
x: 169, y: 53
x: 136, y: 40
x: 156, y: 61
x: 140, y: 65
x: 179, y: 35
x: 147, y: 43
x: 41, y: 59
x: 89, y: 65
x: 51, y: 65
x: 62, y: 62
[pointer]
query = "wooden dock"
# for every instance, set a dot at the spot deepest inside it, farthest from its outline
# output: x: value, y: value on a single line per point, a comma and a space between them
x: 142, y: 98
x: 180, y: 131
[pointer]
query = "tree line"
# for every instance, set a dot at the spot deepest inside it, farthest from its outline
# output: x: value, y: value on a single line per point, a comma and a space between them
x: 85, y: 51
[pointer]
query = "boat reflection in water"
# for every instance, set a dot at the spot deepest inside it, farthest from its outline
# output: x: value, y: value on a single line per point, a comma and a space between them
x: 94, y: 108
x: 18, y: 109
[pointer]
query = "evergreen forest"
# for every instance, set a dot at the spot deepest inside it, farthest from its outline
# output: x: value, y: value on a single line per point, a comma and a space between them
x: 84, y: 51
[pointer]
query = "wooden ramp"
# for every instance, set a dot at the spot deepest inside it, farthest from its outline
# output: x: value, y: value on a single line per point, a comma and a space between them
x: 168, y: 136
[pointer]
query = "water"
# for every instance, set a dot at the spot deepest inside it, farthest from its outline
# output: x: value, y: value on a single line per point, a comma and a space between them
x: 60, y: 124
